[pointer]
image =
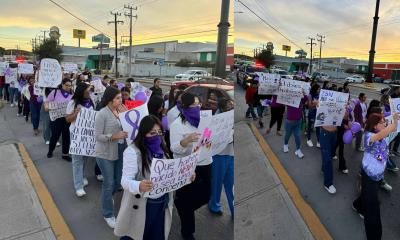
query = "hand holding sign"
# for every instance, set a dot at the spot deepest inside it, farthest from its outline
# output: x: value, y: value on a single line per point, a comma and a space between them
x: 145, y: 186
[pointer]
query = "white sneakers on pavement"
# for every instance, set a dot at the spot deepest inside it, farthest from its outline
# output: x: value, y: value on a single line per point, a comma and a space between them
x: 110, y: 222
x: 285, y: 148
x: 309, y: 143
x: 80, y: 193
x: 299, y: 154
x: 318, y: 145
x: 331, y: 189
x: 99, y: 178
x: 345, y: 171
x: 47, y: 142
x: 85, y: 182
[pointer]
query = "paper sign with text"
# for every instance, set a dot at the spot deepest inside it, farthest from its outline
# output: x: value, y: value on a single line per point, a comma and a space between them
x: 395, y: 107
x: 222, y: 131
x: 290, y: 92
x: 98, y: 86
x: 69, y: 67
x: 83, y: 137
x: 268, y: 83
x: 392, y: 135
x: 57, y: 109
x: 136, y: 88
x: 38, y: 90
x: 11, y: 76
x: 331, y: 109
x: 25, y: 68
x: 50, y: 74
x: 130, y: 121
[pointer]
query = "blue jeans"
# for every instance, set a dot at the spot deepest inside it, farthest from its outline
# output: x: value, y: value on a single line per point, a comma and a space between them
x: 250, y: 110
x: 35, y: 111
x: 260, y: 111
x: 78, y: 170
x: 13, y: 92
x: 310, y: 125
x: 292, y: 127
x: 45, y: 124
x: 221, y: 174
x: 328, y: 146
x: 112, y: 173
x: 1, y: 92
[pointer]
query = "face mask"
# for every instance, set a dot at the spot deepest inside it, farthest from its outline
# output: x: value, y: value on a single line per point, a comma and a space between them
x: 154, y: 146
x: 87, y: 103
x: 192, y: 115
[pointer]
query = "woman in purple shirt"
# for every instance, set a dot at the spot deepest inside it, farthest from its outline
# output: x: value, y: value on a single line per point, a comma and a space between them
x: 60, y: 126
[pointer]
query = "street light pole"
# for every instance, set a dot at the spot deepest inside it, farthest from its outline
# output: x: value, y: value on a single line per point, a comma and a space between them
x: 223, y: 28
x: 373, y: 41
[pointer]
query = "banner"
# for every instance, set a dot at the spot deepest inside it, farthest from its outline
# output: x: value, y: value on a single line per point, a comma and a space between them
x: 268, y: 83
x: 222, y: 131
x: 57, y: 109
x: 69, y: 67
x: 290, y: 92
x: 50, y: 74
x: 169, y: 175
x: 25, y: 68
x: 3, y: 66
x: 98, y: 85
x: 138, y: 88
x: 11, y: 75
x: 38, y: 90
x: 331, y: 109
x: 83, y: 137
x: 130, y: 121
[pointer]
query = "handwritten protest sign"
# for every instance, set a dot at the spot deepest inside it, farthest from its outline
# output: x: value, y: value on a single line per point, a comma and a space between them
x: 98, y: 85
x: 290, y: 92
x: 268, y: 83
x: 331, y: 109
x: 138, y: 88
x: 222, y: 131
x: 392, y: 135
x: 57, y: 109
x: 11, y: 75
x: 169, y: 175
x: 38, y: 90
x: 130, y: 121
x: 395, y: 107
x: 3, y: 66
x: 204, y: 144
x: 50, y: 74
x: 25, y: 68
x: 69, y: 67
x: 83, y: 139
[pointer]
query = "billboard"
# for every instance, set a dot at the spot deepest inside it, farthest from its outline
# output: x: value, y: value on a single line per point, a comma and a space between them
x: 79, y: 33
x: 286, y: 48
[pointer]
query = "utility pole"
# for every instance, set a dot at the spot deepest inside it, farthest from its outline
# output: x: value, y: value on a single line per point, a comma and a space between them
x: 223, y: 28
x: 373, y: 41
x: 116, y: 14
x: 311, y: 52
x: 130, y: 35
x: 44, y: 34
x: 320, y: 40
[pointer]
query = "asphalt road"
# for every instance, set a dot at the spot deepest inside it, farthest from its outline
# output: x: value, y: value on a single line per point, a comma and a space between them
x: 334, y: 211
x: 83, y: 215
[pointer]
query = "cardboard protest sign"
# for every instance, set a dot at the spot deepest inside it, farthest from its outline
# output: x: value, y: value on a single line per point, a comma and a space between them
x: 130, y: 121
x: 290, y: 92
x: 50, y: 74
x: 169, y: 175
x: 222, y: 131
x: 331, y: 109
x: 83, y: 137
x: 395, y: 107
x: 140, y: 92
x: 268, y: 83
x: 38, y: 90
x: 204, y: 144
x: 69, y: 67
x: 129, y: 104
x: 3, y: 66
x: 392, y: 135
x: 25, y: 68
x: 11, y: 75
x: 57, y: 109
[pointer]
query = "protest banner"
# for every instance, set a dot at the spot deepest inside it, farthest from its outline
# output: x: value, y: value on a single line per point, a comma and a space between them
x: 25, y: 68
x: 38, y: 90
x: 11, y: 75
x: 98, y: 85
x: 268, y: 83
x: 290, y: 92
x: 331, y: 109
x: 392, y: 135
x: 50, y: 74
x: 57, y: 109
x: 130, y: 121
x: 169, y: 175
x: 137, y: 88
x: 129, y: 104
x: 395, y: 107
x: 83, y: 137
x: 3, y: 66
x: 69, y: 67
x: 222, y: 131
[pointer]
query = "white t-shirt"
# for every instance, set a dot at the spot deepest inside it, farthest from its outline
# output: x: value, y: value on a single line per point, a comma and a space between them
x: 70, y: 110
x: 172, y: 115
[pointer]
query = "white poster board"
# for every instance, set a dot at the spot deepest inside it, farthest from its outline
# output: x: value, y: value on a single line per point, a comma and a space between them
x: 204, y: 144
x: 169, y: 175
x: 25, y: 68
x: 3, y: 66
x: 290, y: 92
x: 130, y: 121
x: 57, y: 109
x: 38, y: 90
x: 331, y: 109
x: 395, y: 107
x: 83, y: 138
x: 268, y: 83
x: 392, y: 135
x: 69, y: 67
x: 222, y: 131
x: 50, y: 74
x: 11, y: 75
x: 137, y: 87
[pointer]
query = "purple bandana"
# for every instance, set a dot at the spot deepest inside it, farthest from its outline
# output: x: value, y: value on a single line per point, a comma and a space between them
x: 87, y: 103
x: 65, y: 93
x: 192, y: 115
x: 154, y: 146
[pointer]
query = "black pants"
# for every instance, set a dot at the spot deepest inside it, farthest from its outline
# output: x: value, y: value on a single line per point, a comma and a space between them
x: 7, y: 94
x: 25, y: 109
x: 193, y: 196
x: 340, y: 145
x: 97, y: 170
x: 20, y: 102
x: 276, y: 116
x: 59, y: 127
x: 368, y: 205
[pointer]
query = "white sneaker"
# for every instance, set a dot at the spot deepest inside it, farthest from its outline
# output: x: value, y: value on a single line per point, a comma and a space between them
x: 299, y: 153
x: 285, y: 148
x: 99, y: 178
x: 309, y: 143
x: 18, y: 115
x: 318, y: 145
x: 387, y: 187
x: 12, y: 105
x: 58, y: 144
x: 80, y: 193
x: 345, y: 171
x: 331, y: 189
x: 110, y: 222
x: 85, y: 182
x: 361, y: 149
x: 334, y: 157
x: 47, y: 142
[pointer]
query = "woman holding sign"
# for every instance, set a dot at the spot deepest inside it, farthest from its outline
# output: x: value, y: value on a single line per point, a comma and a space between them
x: 184, y: 136
x: 140, y: 217
x: 110, y: 146
x: 374, y: 161
x: 35, y: 104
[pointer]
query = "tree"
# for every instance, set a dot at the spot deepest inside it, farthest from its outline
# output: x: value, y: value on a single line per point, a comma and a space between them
x: 266, y: 58
x: 2, y: 51
x: 183, y: 63
x: 49, y: 49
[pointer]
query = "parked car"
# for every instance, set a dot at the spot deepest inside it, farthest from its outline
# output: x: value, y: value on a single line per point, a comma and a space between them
x: 355, y: 79
x: 203, y: 80
x: 204, y: 91
x: 192, y: 75
x: 377, y: 79
x: 283, y: 73
x: 320, y: 76
x: 246, y: 74
x: 387, y: 81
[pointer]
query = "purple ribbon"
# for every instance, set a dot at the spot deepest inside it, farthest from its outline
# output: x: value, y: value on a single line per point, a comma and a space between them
x: 134, y: 125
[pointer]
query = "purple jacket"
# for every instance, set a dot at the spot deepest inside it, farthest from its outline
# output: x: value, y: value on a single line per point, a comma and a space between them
x: 295, y: 114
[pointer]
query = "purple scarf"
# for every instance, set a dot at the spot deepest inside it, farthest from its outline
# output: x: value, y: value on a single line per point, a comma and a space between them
x: 192, y: 115
x: 65, y: 93
x: 87, y: 103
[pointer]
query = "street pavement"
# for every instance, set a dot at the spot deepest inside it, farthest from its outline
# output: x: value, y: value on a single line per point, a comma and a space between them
x: 83, y: 215
x: 334, y: 211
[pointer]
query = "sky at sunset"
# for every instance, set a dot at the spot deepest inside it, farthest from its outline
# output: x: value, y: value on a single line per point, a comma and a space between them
x: 347, y: 25
x: 22, y: 20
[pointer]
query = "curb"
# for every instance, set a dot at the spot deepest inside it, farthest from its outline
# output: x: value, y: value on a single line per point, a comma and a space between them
x: 311, y: 219
x: 56, y: 220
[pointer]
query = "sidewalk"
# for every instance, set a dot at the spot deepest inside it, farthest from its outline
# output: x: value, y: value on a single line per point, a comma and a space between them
x: 263, y: 207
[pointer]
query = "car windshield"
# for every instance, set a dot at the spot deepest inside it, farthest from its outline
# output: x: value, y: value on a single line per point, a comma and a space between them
x: 190, y: 72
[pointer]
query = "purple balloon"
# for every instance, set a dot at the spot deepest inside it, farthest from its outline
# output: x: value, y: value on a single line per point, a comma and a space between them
x: 120, y: 85
x: 387, y: 114
x: 355, y: 127
x: 164, y: 123
x: 347, y: 137
x: 141, y: 96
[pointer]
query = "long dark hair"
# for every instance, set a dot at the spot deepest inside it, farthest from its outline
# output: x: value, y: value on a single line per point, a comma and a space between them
x: 173, y: 98
x: 108, y: 96
x: 314, y: 90
x: 373, y: 104
x: 372, y: 121
x: 187, y: 100
x: 146, y: 125
x: 79, y: 94
x: 155, y: 103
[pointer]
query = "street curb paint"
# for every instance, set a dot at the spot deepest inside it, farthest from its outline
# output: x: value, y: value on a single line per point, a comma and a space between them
x: 311, y: 219
x: 56, y: 220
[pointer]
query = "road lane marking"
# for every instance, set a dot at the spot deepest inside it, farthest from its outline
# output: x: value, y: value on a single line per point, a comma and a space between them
x: 312, y: 220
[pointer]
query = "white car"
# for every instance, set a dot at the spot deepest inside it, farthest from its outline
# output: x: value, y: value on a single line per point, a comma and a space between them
x: 355, y: 79
x: 192, y: 75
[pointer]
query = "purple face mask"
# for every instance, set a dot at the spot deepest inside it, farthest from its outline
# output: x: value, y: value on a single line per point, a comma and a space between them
x: 154, y: 146
x: 192, y: 115
x: 87, y: 103
x: 179, y: 105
